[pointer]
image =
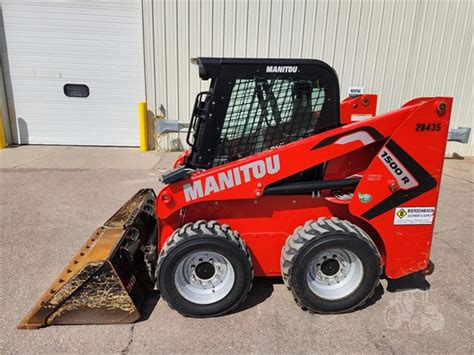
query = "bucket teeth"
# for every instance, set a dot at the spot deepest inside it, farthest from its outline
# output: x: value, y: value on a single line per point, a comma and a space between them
x: 107, y: 279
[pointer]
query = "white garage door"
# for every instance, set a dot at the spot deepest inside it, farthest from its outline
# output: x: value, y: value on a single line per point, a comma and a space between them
x: 59, y: 50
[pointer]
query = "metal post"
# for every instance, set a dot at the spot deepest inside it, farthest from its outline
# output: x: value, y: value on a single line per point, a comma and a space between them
x: 142, y: 115
x: 3, y: 142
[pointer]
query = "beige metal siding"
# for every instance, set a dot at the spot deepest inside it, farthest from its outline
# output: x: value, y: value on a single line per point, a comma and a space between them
x: 397, y: 49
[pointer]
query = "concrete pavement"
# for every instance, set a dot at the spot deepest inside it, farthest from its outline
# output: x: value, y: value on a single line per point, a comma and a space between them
x: 51, y: 198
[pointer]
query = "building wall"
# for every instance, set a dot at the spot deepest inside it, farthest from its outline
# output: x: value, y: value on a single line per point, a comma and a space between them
x: 396, y: 49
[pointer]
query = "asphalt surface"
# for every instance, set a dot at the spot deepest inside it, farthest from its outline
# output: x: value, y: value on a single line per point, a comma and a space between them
x: 52, y: 198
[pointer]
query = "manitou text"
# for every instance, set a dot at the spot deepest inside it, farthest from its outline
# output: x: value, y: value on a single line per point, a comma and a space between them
x: 281, y: 69
x: 231, y: 178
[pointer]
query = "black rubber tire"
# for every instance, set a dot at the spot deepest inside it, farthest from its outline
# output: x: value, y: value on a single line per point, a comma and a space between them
x: 204, y: 235
x: 314, y: 236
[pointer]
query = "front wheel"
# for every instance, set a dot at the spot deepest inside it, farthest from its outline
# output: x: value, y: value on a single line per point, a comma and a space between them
x: 330, y: 266
x: 204, y: 270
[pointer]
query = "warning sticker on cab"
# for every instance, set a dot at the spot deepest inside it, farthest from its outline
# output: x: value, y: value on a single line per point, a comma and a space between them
x: 413, y: 215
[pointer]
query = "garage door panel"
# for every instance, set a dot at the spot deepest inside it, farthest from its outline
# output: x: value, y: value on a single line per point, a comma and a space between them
x: 95, y: 44
x: 73, y: 54
x: 56, y: 82
x: 85, y: 132
x: 77, y: 27
x: 52, y: 60
x: 49, y: 12
x: 51, y: 46
x: 93, y: 39
x: 120, y: 8
x: 109, y: 73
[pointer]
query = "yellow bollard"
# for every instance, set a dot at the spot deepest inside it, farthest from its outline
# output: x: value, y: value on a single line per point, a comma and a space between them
x: 142, y: 116
x: 3, y: 142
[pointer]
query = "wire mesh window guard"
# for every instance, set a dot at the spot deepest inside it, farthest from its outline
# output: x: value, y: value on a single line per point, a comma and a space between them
x: 265, y: 113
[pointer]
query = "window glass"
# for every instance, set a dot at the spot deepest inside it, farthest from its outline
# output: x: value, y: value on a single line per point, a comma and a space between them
x: 264, y: 113
x: 76, y: 90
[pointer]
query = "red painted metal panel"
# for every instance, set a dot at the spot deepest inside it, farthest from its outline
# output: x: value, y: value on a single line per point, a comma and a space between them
x: 233, y: 193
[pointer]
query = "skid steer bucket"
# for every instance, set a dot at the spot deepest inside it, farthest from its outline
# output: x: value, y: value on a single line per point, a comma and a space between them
x: 107, y: 280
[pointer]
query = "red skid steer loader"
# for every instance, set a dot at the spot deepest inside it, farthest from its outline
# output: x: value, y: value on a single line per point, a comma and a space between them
x: 282, y: 179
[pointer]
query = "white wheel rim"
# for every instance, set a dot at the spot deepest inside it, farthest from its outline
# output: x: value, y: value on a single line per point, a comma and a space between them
x: 334, y: 273
x: 207, y: 287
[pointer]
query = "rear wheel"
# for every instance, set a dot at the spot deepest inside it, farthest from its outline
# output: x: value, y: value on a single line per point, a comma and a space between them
x: 330, y: 266
x: 204, y: 269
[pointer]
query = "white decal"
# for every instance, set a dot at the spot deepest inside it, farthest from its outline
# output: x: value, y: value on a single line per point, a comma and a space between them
x: 281, y: 69
x: 413, y: 215
x: 360, y: 117
x: 356, y: 91
x: 225, y: 179
x: 193, y: 191
x: 400, y: 173
x: 362, y: 136
x: 211, y: 186
x: 231, y: 178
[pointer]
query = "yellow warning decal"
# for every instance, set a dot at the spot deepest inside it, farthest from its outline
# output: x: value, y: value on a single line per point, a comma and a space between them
x: 401, y: 213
